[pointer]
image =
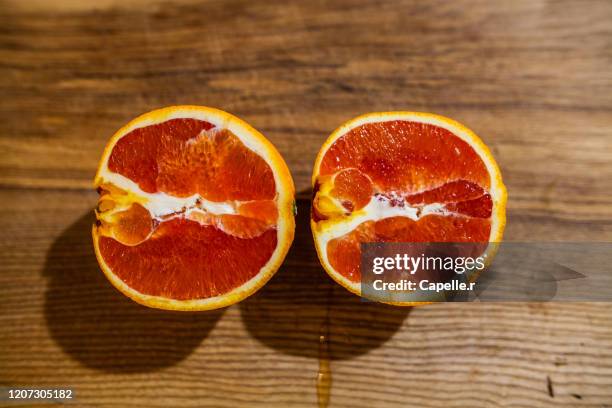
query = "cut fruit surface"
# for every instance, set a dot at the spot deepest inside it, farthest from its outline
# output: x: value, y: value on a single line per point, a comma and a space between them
x: 402, y: 177
x: 195, y: 209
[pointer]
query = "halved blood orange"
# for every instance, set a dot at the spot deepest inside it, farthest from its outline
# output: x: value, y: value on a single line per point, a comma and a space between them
x: 195, y: 209
x: 402, y: 177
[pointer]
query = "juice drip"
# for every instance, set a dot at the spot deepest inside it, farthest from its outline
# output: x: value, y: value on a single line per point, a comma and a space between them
x: 324, y: 378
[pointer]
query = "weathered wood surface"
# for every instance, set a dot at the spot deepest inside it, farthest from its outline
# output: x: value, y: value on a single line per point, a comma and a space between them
x: 533, y: 78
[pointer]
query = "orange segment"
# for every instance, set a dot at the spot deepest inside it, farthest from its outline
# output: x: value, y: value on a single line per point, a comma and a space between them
x: 454, y: 191
x: 241, y: 226
x: 345, y: 250
x: 353, y: 188
x: 264, y: 210
x: 433, y: 228
x: 479, y: 207
x: 407, y: 177
x: 234, y: 225
x: 131, y: 226
x: 195, y: 209
x: 147, y: 144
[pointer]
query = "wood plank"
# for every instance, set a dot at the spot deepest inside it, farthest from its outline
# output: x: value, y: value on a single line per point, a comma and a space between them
x: 531, y: 77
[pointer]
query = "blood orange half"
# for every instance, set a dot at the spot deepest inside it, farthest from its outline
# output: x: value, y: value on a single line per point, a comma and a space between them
x: 402, y: 177
x: 195, y: 209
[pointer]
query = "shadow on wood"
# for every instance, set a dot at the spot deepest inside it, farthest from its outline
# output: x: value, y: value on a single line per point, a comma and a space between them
x: 101, y: 328
x: 301, y: 303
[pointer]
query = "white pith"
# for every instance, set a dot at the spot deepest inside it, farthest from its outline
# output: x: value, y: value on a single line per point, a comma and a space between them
x: 162, y: 204
x: 377, y: 209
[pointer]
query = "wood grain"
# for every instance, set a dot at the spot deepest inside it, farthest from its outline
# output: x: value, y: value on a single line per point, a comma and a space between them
x: 532, y: 78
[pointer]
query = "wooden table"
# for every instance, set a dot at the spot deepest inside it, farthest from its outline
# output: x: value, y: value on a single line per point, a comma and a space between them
x: 532, y: 77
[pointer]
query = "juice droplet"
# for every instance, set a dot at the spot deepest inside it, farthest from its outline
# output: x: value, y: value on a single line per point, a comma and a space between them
x: 324, y: 376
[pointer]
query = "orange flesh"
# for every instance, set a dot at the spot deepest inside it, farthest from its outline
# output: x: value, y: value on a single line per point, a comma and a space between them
x: 353, y: 188
x: 131, y: 226
x: 193, y: 253
x: 185, y: 260
x: 182, y: 157
x: 408, y: 164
